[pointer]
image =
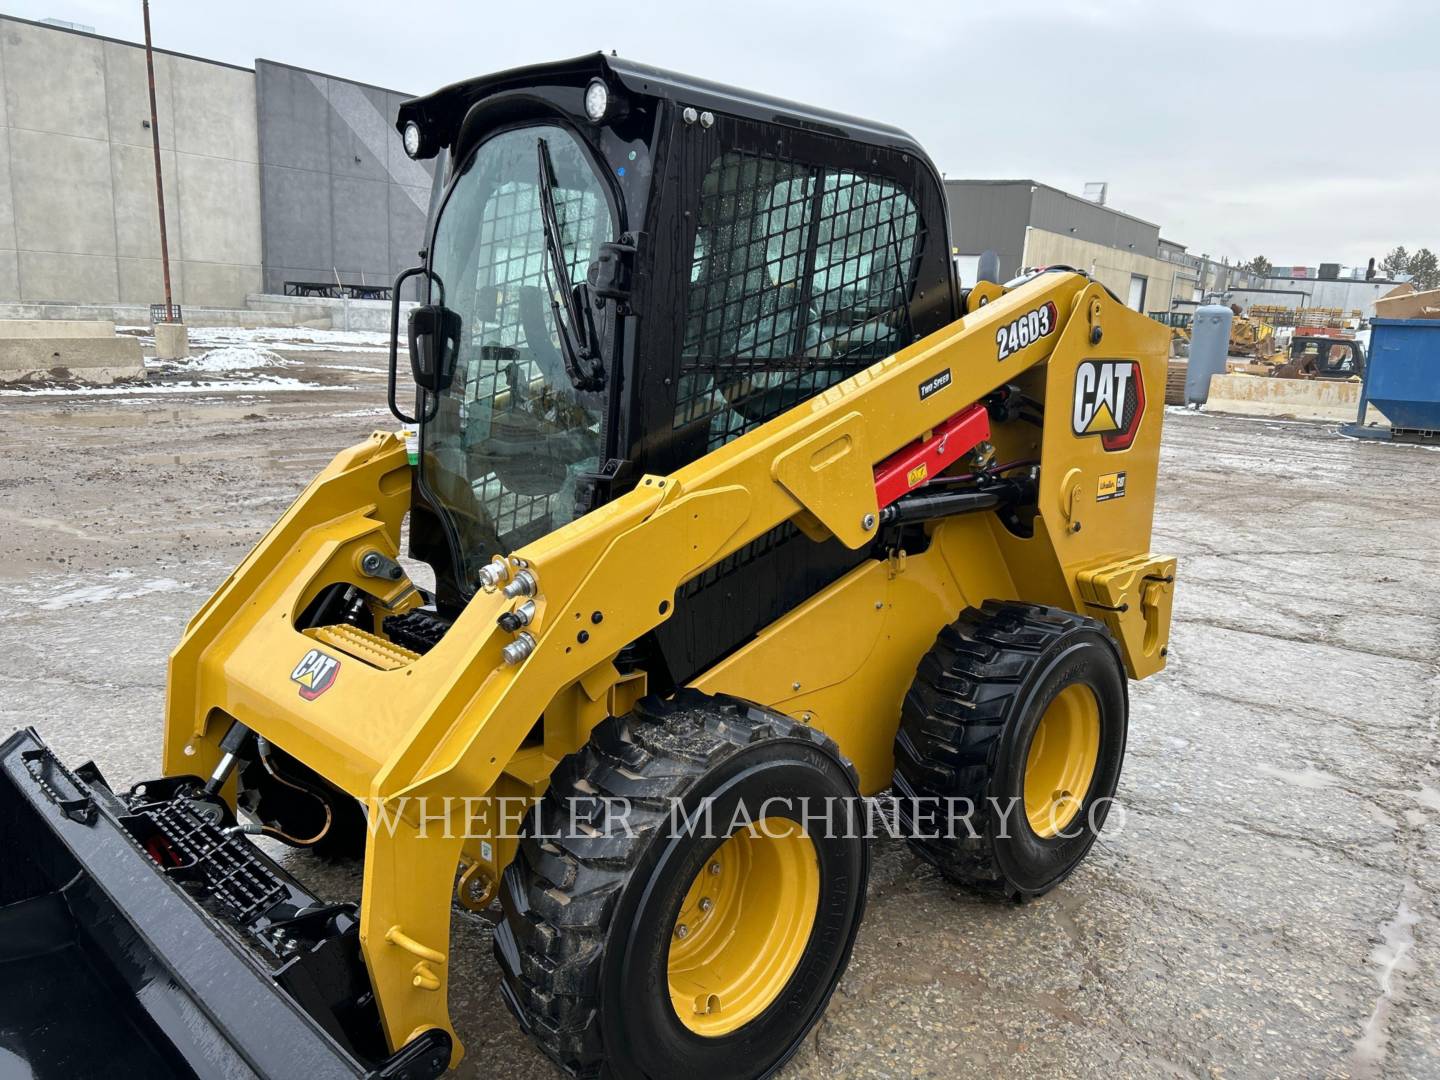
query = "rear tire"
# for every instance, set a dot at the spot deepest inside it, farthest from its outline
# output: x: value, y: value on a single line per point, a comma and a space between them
x: 643, y: 952
x: 1018, y: 714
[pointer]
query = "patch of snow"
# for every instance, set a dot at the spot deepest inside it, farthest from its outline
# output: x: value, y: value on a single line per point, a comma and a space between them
x: 292, y: 338
x: 1391, y: 957
x: 1428, y: 796
x: 97, y: 594
x: 230, y: 358
x: 262, y: 383
x: 1311, y: 778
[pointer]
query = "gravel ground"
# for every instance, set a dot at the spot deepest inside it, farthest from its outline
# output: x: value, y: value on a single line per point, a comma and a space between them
x: 1265, y: 906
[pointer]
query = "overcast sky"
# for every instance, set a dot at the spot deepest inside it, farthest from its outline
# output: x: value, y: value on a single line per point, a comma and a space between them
x: 1303, y: 131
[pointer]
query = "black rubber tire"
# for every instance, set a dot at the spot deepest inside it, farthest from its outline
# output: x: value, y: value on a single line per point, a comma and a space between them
x: 584, y: 943
x: 965, y: 732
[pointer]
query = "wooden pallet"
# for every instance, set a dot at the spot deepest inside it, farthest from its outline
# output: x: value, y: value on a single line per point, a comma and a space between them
x: 1175, y: 382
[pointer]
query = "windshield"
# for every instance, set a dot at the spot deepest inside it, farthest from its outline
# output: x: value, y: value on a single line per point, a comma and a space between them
x: 511, y: 435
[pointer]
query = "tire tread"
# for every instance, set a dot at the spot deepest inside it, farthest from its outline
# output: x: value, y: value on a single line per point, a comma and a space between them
x: 559, y: 895
x: 952, y: 722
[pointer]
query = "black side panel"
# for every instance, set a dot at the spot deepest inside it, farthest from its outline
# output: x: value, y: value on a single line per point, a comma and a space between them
x: 725, y: 607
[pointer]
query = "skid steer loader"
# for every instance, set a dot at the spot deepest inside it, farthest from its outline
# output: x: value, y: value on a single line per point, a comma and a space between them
x: 740, y: 511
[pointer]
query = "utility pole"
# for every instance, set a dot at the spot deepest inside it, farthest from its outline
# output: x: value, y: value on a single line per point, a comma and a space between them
x: 159, y: 181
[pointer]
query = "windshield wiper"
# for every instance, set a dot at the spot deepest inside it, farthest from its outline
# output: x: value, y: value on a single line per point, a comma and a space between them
x: 573, y: 324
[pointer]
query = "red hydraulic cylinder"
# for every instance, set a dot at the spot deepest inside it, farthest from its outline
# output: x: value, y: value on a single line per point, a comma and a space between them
x: 924, y: 459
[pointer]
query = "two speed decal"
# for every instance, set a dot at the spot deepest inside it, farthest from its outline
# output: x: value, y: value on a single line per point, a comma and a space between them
x: 934, y: 384
x: 1026, y: 330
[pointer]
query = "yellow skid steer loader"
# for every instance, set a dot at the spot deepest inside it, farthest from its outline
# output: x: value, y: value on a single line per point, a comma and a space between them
x: 741, y: 512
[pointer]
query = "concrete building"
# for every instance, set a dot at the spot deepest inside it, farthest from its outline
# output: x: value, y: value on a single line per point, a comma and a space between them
x: 349, y: 201
x: 1032, y: 224
x: 271, y: 174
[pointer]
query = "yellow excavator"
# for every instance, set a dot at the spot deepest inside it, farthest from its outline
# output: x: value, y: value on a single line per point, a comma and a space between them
x: 742, y: 513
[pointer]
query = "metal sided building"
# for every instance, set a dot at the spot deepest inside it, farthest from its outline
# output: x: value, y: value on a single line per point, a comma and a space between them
x: 1032, y: 224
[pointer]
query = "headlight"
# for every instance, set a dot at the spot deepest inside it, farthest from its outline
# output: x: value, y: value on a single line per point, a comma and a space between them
x: 597, y: 100
x: 413, y: 139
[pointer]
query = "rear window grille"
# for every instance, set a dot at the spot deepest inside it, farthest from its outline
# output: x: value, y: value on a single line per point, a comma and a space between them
x: 801, y: 276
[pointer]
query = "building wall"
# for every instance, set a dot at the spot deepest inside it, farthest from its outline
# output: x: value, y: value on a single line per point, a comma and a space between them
x: 989, y: 215
x: 339, y: 197
x: 1113, y: 267
x: 1059, y: 212
x: 1031, y: 224
x: 78, y: 219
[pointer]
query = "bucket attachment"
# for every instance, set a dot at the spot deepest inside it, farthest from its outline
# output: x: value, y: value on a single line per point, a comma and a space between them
x: 140, y: 938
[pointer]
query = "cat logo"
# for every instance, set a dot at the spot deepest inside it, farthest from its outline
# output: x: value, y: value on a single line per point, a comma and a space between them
x: 1109, y: 401
x: 315, y: 673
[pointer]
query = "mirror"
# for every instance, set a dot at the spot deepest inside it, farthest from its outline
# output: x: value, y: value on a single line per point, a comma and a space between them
x: 434, y: 345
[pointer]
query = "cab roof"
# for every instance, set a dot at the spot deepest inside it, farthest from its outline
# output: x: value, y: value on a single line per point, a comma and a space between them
x: 443, y: 111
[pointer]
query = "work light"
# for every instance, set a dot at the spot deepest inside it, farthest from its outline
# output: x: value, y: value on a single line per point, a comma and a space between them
x: 597, y: 100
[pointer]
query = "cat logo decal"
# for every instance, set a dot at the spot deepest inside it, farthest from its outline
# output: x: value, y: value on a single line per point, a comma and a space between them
x: 315, y: 674
x: 1109, y: 401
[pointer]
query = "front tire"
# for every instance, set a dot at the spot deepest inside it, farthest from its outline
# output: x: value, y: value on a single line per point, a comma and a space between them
x: 1010, y: 746
x: 632, y: 947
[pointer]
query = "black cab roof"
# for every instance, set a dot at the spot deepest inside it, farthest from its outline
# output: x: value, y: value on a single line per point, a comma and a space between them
x: 442, y: 111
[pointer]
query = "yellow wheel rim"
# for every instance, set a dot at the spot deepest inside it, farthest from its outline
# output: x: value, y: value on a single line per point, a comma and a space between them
x: 1061, y: 761
x: 743, y: 926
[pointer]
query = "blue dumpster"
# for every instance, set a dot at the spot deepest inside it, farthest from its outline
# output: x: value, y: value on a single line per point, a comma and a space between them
x: 1402, y: 379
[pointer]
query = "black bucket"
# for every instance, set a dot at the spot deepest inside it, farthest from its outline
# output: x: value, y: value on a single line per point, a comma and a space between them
x: 133, y: 943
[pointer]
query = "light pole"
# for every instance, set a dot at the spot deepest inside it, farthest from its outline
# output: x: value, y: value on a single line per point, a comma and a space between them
x: 171, y: 340
x: 159, y: 183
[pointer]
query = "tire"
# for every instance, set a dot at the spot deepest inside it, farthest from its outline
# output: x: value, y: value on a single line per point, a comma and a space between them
x: 967, y: 731
x: 591, y: 948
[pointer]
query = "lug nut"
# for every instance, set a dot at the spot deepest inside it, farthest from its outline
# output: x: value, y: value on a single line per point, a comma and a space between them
x: 707, y: 905
x: 519, y: 649
x: 682, y: 931
x: 714, y: 868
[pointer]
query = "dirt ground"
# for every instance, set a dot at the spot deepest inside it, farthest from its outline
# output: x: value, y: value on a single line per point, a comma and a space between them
x: 1265, y: 906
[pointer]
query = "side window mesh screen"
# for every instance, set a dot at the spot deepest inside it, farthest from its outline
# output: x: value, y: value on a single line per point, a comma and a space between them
x: 801, y: 276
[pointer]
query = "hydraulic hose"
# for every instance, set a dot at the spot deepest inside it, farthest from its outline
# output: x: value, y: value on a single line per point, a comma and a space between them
x: 263, y: 751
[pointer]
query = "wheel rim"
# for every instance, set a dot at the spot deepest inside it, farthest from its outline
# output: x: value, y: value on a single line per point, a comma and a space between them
x: 1061, y: 761
x: 743, y: 927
